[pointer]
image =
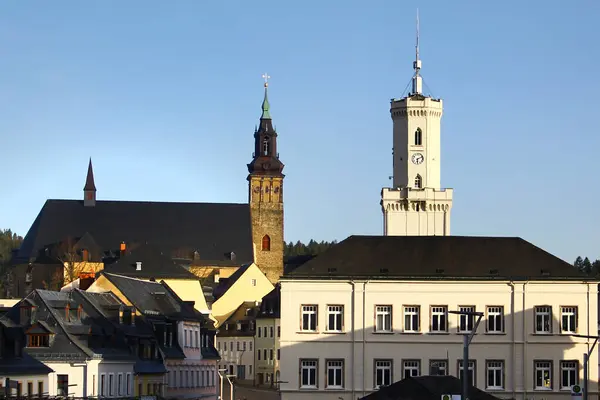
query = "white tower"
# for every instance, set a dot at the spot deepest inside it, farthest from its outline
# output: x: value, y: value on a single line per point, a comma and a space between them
x: 416, y: 205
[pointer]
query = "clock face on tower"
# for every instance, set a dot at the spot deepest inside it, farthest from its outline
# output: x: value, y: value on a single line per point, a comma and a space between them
x: 417, y: 158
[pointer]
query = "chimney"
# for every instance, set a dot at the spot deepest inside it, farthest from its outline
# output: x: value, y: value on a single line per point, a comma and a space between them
x: 123, y: 248
x: 138, y: 265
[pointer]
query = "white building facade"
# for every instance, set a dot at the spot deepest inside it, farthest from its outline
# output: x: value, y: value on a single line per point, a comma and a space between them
x: 237, y: 356
x: 343, y: 339
x: 416, y: 205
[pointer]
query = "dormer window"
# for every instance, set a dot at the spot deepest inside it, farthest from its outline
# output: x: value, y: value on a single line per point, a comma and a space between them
x: 80, y: 312
x: 38, y: 340
x: 67, y: 310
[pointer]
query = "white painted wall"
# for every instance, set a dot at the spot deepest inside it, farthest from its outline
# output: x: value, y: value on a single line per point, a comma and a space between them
x: 233, y: 353
x: 358, y: 345
x: 24, y: 380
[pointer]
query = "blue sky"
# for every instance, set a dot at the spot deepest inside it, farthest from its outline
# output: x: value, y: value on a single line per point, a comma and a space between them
x: 164, y: 97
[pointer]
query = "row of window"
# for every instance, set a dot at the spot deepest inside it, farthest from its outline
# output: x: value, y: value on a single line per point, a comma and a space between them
x: 18, y: 391
x: 240, y: 346
x: 106, y: 385
x: 438, y: 319
x: 262, y: 331
x: 194, y: 339
x: 383, y: 373
x: 267, y: 354
x: 191, y: 379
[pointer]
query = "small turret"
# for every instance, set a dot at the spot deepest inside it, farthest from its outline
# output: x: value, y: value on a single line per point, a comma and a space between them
x: 89, y: 190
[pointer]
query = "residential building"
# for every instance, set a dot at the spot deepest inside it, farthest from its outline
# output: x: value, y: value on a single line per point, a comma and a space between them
x: 416, y: 204
x: 235, y: 342
x: 268, y: 332
x: 373, y: 310
x: 86, y: 353
x: 29, y: 375
x: 204, y: 236
x: 247, y: 284
x: 185, y: 337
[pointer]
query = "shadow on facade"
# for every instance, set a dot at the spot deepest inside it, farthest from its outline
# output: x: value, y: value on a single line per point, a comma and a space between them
x: 529, y: 358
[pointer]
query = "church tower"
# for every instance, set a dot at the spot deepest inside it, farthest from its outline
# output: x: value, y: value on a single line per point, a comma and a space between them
x: 416, y: 205
x: 265, y: 195
x: 89, y: 190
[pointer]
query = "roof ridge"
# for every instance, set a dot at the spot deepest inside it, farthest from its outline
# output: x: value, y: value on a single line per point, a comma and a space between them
x: 154, y: 202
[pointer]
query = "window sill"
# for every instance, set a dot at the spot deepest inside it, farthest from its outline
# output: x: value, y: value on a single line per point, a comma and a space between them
x: 308, y: 388
x: 410, y: 333
x: 307, y: 332
x: 495, y: 333
x: 334, y: 389
x: 383, y: 332
x: 541, y: 389
x: 334, y: 332
x: 495, y: 389
x: 438, y: 333
x: 542, y: 334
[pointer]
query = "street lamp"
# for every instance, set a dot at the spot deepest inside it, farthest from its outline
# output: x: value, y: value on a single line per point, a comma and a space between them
x: 221, y: 382
x: 586, y: 359
x: 467, y: 338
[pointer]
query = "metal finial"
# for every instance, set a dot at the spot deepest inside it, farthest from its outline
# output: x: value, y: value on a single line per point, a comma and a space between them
x: 266, y: 77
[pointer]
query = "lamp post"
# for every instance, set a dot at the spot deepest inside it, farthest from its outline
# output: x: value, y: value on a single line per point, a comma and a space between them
x: 221, y: 382
x: 467, y: 338
x: 586, y: 359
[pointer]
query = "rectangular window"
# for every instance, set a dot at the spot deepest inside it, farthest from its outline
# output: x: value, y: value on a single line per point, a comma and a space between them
x: 259, y: 331
x: 128, y: 384
x: 102, y: 385
x: 279, y: 354
x: 271, y: 354
x: 438, y: 367
x: 411, y: 368
x: 62, y: 385
x: 494, y: 375
x: 543, y: 319
x: 279, y: 331
x: 30, y: 389
x: 495, y: 319
x: 335, y: 374
x: 471, y: 372
x: 383, y: 373
x: 120, y: 384
x: 110, y: 385
x: 265, y: 354
x: 40, y: 389
x: 271, y: 331
x: 411, y: 319
x: 335, y: 316
x: 244, y: 345
x: 569, y: 374
x: 258, y: 354
x: 439, y: 319
x: 238, y: 345
x: 309, y: 318
x: 466, y: 322
x: 543, y: 375
x: 568, y: 319
x: 383, y: 318
x: 250, y: 346
x: 308, y: 373
x: 38, y: 340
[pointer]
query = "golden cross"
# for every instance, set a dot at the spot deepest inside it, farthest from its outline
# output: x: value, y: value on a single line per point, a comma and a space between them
x: 266, y: 77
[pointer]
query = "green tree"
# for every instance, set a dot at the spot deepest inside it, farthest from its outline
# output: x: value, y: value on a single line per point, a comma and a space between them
x: 312, y: 248
x: 8, y: 242
x: 591, y: 268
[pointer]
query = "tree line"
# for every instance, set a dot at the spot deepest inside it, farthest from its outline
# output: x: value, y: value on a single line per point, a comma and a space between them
x: 311, y: 248
x: 589, y: 267
x: 8, y: 242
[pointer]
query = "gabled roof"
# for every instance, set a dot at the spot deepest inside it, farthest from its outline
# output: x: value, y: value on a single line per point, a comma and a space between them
x: 436, y: 257
x: 244, y: 314
x: 154, y: 264
x: 270, y: 307
x: 153, y: 299
x: 426, y: 388
x: 226, y: 283
x: 214, y: 230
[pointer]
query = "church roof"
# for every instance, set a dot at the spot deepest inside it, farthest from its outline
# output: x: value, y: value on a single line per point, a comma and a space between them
x: 214, y: 230
x: 437, y: 258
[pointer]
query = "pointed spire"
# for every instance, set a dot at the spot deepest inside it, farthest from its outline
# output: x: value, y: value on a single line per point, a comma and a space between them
x: 417, y: 83
x: 89, y: 181
x: 265, y: 105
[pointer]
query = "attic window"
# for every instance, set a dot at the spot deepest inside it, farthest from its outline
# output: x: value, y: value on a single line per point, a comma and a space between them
x: 439, y: 270
x: 545, y: 272
x: 80, y: 312
x: 384, y: 270
x: 38, y: 340
x: 331, y: 270
x: 494, y: 271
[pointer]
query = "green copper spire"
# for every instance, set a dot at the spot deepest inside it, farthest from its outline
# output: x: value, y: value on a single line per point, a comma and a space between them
x: 265, y: 104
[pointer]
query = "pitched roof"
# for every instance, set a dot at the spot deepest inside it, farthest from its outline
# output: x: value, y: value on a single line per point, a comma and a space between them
x: 436, y: 257
x: 226, y: 283
x: 270, y: 307
x: 154, y: 264
x: 426, y: 388
x: 89, y: 180
x: 243, y: 315
x: 213, y: 229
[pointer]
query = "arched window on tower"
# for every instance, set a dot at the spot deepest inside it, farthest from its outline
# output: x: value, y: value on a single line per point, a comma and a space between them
x: 266, y: 146
x: 418, y: 182
x: 418, y: 137
x: 266, y: 243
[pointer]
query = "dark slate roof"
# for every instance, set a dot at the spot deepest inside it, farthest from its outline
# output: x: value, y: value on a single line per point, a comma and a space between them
x: 270, y: 307
x: 213, y: 229
x: 24, y: 365
x: 154, y: 264
x: 436, y: 257
x: 426, y: 388
x: 244, y: 315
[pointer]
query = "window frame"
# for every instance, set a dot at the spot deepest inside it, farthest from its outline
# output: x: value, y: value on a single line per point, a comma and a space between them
x: 469, y: 319
x: 389, y: 367
x: 496, y: 313
x: 537, y: 366
x: 379, y: 310
x: 574, y: 313
x: 574, y: 368
x: 433, y: 313
x: 544, y: 310
x: 459, y: 364
x: 415, y: 367
x: 314, y: 367
x: 494, y: 365
x: 335, y: 367
x: 338, y: 314
x: 413, y: 312
x: 304, y: 310
x: 444, y: 367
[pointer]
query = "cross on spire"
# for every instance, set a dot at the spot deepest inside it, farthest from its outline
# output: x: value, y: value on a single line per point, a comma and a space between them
x: 266, y: 77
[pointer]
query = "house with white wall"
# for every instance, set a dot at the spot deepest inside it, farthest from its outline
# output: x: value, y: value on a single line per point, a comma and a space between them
x: 373, y: 310
x: 268, y: 333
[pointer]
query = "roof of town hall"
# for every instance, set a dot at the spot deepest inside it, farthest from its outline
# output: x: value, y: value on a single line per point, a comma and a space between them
x: 436, y: 258
x: 214, y: 230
